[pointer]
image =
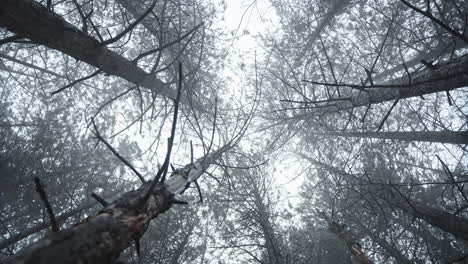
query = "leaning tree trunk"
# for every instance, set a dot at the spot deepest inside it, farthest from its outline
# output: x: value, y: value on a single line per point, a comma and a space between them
x: 457, y: 226
x: 441, y: 77
x: 450, y: 137
x: 39, y: 227
x: 30, y: 19
x: 101, y: 238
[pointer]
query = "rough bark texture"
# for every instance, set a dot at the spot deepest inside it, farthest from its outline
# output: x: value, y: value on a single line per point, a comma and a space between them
x: 101, y: 238
x: 39, y: 227
x: 450, y: 137
x: 34, y: 21
x: 443, y: 77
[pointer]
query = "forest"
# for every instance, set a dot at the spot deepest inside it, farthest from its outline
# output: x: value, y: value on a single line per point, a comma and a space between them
x: 234, y: 131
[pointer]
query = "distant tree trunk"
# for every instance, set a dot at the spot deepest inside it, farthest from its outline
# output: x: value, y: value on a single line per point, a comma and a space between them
x: 275, y: 255
x: 457, y: 226
x: 442, y: 77
x: 450, y: 137
x: 101, y: 238
x: 30, y: 19
x: 336, y: 7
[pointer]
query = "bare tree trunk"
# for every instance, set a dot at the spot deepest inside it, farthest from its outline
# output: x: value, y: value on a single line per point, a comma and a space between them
x: 439, y: 78
x: 101, y: 238
x: 34, y: 21
x: 436, y: 244
x: 335, y: 9
x: 457, y: 226
x: 450, y: 137
x: 39, y: 227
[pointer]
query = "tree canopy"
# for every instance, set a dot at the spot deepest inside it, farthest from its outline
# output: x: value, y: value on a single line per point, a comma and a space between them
x: 265, y: 131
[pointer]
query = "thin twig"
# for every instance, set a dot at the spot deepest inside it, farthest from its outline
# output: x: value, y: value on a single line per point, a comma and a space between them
x: 99, y: 199
x: 40, y: 190
x: 76, y: 81
x: 130, y: 27
x: 437, y: 21
x: 100, y: 138
x: 451, y: 178
x: 388, y: 114
x: 163, y: 170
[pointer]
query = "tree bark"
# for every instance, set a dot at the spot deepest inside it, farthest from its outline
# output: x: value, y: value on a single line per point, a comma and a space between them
x: 39, y: 227
x: 457, y: 226
x: 450, y: 137
x: 101, y: 238
x: 439, y: 78
x: 32, y: 20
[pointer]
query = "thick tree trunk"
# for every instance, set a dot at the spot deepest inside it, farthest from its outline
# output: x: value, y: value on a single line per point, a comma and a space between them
x: 436, y: 244
x: 450, y: 137
x: 101, y: 238
x: 442, y: 77
x: 457, y: 226
x: 39, y: 227
x: 32, y: 20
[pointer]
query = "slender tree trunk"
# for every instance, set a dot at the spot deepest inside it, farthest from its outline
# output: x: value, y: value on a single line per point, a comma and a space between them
x: 450, y: 137
x: 32, y: 20
x: 335, y: 9
x: 101, y: 238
